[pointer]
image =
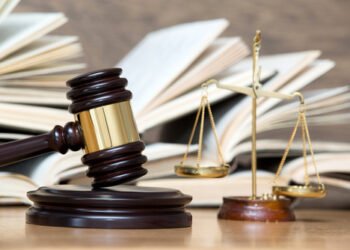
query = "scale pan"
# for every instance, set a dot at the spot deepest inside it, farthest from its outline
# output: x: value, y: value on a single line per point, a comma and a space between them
x: 303, y: 191
x: 202, y: 172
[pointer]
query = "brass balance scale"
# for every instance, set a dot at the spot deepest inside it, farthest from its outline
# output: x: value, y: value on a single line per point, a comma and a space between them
x: 269, y: 207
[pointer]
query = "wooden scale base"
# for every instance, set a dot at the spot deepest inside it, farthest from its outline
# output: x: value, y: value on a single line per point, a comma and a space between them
x: 248, y: 209
x: 123, y: 207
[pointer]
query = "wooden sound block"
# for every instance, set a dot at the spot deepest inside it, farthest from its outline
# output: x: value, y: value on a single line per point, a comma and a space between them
x: 245, y: 208
x: 123, y: 206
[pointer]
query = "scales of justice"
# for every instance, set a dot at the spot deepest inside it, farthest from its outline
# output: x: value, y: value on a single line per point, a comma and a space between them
x: 275, y: 206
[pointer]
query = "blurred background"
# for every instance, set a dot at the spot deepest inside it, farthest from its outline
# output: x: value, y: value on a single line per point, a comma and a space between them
x: 108, y: 29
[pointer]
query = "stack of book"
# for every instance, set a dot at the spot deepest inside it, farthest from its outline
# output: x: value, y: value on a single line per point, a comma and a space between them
x: 34, y: 66
x: 165, y: 71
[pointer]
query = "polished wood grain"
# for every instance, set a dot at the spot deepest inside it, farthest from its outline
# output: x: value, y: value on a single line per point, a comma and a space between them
x: 108, y: 167
x: 122, y: 207
x: 313, y: 230
x: 59, y: 139
x: 119, y: 164
x: 248, y: 209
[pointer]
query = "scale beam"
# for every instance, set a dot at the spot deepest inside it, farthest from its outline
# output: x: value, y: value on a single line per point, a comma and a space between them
x: 259, y: 92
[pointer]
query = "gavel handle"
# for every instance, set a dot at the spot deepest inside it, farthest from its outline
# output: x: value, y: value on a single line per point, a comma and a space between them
x: 60, y: 139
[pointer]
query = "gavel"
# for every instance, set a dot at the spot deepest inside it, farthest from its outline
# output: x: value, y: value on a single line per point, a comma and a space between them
x: 104, y: 128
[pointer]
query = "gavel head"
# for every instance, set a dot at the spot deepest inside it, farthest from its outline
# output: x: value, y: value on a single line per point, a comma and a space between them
x: 101, y: 106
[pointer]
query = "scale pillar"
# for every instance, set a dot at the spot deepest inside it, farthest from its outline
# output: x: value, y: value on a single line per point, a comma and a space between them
x: 254, y: 208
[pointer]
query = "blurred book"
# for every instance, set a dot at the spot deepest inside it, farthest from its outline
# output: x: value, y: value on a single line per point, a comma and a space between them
x: 172, y: 91
x: 164, y: 72
x: 34, y: 66
x: 32, y: 61
x: 28, y: 53
x: 52, y: 168
x: 332, y: 166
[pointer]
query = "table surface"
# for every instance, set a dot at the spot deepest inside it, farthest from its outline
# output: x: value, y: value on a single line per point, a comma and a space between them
x: 313, y: 230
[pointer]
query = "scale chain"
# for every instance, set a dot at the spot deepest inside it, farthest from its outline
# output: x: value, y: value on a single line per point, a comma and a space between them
x: 201, y: 113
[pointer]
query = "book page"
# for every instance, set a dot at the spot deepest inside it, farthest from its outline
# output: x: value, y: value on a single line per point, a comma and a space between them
x: 20, y: 29
x: 4, y: 136
x: 14, y: 188
x: 190, y: 102
x: 57, y: 167
x: 236, y: 119
x: 163, y: 55
x: 43, y: 70
x: 334, y: 182
x: 278, y: 146
x: 41, y: 81
x: 221, y: 54
x: 35, y: 50
x: 209, y: 192
x: 156, y: 151
x: 160, y: 162
x: 51, y: 170
x: 32, y: 118
x: 322, y: 106
x: 58, y: 55
x: 241, y: 128
x: 326, y: 163
x: 34, y: 96
x: 6, y: 6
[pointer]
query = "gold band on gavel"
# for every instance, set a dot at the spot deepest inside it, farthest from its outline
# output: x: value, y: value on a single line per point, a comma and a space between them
x: 108, y: 126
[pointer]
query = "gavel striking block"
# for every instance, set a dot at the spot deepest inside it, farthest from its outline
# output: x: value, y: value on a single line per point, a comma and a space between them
x: 105, y: 129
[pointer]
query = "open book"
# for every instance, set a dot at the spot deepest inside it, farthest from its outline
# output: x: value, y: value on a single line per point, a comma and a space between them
x: 285, y: 73
x: 32, y: 61
x: 28, y: 53
x: 209, y: 192
x: 16, y: 180
x: 164, y: 72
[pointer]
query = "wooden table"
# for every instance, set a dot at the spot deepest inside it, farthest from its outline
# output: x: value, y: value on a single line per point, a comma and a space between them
x: 313, y: 230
